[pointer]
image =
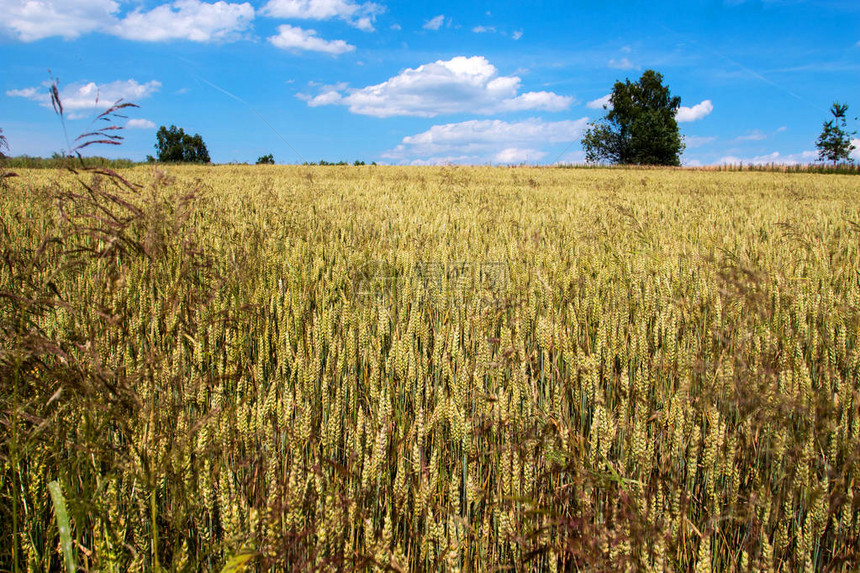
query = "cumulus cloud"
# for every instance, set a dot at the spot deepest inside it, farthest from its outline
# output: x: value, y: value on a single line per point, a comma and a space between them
x: 855, y: 154
x: 694, y: 113
x: 754, y: 135
x: 91, y: 96
x: 600, y: 102
x: 512, y: 155
x: 485, y: 141
x: 776, y: 157
x: 295, y: 38
x: 545, y: 101
x: 139, y: 124
x: 186, y: 20
x: 693, y: 141
x: 517, y: 35
x: 31, y: 20
x: 622, y: 64
x: 483, y: 29
x: 361, y: 15
x: 434, y: 23
x: 29, y: 93
x: 326, y: 98
x: 457, y: 85
x: 327, y: 94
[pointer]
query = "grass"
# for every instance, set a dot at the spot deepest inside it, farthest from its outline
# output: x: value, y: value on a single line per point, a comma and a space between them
x: 27, y: 162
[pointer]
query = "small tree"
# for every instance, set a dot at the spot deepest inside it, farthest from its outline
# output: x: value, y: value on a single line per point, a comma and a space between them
x: 3, y: 145
x: 266, y: 160
x: 834, y: 143
x: 176, y: 146
x: 640, y: 128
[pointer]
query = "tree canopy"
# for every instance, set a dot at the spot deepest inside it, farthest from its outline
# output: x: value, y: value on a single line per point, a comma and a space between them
x: 834, y: 143
x: 3, y: 145
x: 639, y: 127
x: 176, y: 146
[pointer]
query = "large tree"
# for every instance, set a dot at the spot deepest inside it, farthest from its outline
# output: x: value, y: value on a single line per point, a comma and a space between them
x: 176, y: 146
x: 834, y: 143
x: 639, y: 127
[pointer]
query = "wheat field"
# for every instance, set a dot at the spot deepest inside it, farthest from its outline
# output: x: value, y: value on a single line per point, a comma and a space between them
x: 430, y: 369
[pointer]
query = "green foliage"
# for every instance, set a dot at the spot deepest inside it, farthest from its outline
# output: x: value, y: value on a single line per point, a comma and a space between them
x: 59, y: 501
x: 176, y: 146
x: 3, y: 145
x: 834, y: 143
x: 341, y: 163
x: 238, y: 563
x: 640, y: 128
x: 57, y: 160
x: 266, y: 160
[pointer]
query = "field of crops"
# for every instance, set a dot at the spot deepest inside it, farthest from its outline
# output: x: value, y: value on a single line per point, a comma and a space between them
x: 420, y: 369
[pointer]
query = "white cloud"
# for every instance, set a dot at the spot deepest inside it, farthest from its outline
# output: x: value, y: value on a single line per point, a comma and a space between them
x: 693, y: 141
x: 545, y: 101
x: 694, y: 113
x: 396, y: 27
x: 517, y: 34
x: 517, y: 155
x: 600, y: 102
x: 434, y: 23
x: 488, y: 140
x: 294, y: 38
x: 29, y: 93
x: 754, y: 135
x: 776, y: 158
x: 360, y: 15
x: 483, y: 29
x: 139, y: 124
x: 855, y: 154
x: 326, y: 98
x: 187, y: 20
x: 364, y: 24
x: 572, y: 158
x: 457, y: 85
x: 91, y: 96
x: 622, y: 64
x: 32, y: 20
x: 193, y: 20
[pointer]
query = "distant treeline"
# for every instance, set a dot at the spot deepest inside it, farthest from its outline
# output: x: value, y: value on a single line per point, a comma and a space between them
x: 27, y: 162
x: 839, y: 169
x: 324, y: 162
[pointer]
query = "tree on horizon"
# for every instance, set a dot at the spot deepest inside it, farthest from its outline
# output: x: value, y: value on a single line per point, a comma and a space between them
x: 834, y: 143
x: 640, y: 126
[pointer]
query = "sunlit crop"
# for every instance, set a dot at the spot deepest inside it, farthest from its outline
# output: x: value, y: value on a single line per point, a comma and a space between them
x: 431, y: 369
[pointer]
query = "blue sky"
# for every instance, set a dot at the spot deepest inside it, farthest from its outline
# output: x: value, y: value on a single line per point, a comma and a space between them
x: 421, y: 82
